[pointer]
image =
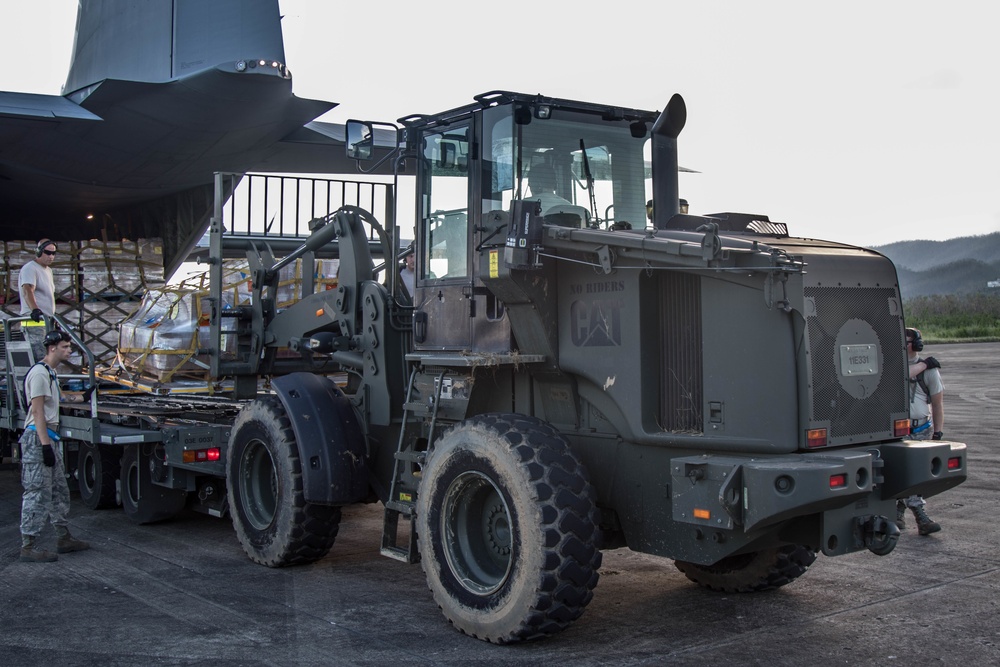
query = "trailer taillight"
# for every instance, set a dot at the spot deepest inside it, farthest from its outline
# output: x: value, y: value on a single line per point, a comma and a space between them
x: 838, y: 481
x: 202, y: 455
x: 816, y: 437
x: 901, y: 427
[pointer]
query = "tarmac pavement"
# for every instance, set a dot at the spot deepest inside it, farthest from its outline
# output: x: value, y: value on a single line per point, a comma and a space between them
x: 183, y: 592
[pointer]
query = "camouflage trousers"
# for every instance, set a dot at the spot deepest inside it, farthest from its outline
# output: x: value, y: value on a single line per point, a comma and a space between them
x: 916, y: 502
x: 46, y: 494
x: 35, y: 336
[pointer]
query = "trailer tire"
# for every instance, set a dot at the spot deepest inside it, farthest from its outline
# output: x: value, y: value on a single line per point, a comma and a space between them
x: 143, y: 501
x: 98, y: 468
x: 274, y: 523
x: 507, y: 529
x: 752, y: 572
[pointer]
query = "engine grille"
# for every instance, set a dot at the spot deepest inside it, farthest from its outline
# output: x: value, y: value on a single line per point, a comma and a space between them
x: 681, y: 386
x: 853, y: 419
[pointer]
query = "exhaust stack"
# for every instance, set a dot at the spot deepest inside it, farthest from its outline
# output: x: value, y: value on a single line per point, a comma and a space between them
x: 666, y: 191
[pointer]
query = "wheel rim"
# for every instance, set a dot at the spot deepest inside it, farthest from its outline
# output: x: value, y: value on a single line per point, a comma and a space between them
x: 259, y: 485
x: 88, y: 480
x: 132, y: 483
x: 477, y: 530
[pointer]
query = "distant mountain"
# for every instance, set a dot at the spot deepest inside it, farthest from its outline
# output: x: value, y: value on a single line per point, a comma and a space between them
x: 955, y: 266
x: 923, y: 255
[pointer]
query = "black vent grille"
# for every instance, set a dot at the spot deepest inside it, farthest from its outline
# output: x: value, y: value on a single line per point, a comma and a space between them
x: 852, y: 419
x: 681, y: 385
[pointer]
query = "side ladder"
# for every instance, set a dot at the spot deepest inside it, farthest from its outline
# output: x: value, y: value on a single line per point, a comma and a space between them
x: 406, y: 475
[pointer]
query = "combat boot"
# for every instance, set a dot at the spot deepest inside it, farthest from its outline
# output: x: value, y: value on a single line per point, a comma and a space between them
x: 924, y: 524
x: 29, y: 554
x: 67, y: 543
x: 901, y: 515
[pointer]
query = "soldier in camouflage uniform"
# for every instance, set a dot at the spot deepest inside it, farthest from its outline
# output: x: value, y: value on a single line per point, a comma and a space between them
x: 46, y: 495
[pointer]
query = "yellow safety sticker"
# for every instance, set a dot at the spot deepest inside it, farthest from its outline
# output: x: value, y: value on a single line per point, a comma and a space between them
x: 494, y: 263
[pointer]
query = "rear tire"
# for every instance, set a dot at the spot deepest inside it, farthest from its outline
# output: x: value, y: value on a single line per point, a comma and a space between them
x: 143, y: 501
x: 752, y: 572
x: 507, y: 529
x: 98, y: 468
x: 274, y: 523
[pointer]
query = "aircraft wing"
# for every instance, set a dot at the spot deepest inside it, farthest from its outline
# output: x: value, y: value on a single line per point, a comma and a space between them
x: 41, y: 107
x: 318, y: 147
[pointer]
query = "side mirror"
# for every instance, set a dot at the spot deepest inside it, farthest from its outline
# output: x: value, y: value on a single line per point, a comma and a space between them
x: 360, y: 140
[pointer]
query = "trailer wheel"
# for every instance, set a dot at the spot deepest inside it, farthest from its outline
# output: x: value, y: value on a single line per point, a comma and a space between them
x: 507, y: 529
x: 752, y: 572
x: 143, y: 501
x: 273, y: 522
x: 98, y: 468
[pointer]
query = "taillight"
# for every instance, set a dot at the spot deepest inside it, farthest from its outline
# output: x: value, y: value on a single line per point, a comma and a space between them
x: 901, y: 427
x: 838, y: 481
x: 816, y: 437
x: 955, y: 463
x: 202, y: 455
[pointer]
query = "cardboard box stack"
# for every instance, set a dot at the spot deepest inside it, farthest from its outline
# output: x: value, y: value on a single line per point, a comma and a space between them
x: 98, y: 284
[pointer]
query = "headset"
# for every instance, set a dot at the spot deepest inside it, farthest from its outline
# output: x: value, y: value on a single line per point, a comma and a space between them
x: 41, y: 246
x: 54, y: 338
x: 914, y: 338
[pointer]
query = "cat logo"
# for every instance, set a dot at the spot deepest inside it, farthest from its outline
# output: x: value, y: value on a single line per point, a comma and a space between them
x: 596, y: 323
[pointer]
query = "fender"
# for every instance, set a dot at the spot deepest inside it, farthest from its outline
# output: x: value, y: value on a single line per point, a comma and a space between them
x: 332, y: 448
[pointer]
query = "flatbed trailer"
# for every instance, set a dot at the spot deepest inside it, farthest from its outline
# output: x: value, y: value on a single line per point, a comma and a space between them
x: 148, y: 453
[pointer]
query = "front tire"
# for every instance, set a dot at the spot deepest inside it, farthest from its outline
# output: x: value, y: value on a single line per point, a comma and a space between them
x: 143, y: 501
x: 751, y: 572
x: 507, y: 529
x: 274, y: 523
x: 98, y: 468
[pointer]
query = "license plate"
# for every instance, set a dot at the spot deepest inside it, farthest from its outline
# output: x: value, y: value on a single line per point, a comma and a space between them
x: 859, y: 359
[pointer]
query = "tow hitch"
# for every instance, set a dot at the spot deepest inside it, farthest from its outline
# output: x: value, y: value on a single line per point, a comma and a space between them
x: 877, y: 533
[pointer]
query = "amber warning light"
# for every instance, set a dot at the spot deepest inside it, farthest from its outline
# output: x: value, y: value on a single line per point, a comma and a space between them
x: 202, y: 455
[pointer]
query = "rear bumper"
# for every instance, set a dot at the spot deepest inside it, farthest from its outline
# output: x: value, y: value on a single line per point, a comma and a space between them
x: 839, y: 488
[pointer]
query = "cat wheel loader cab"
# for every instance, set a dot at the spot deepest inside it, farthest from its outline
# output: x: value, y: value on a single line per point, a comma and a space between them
x: 570, y: 375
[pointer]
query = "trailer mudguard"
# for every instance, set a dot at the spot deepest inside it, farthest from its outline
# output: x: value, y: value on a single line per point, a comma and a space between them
x: 328, y: 435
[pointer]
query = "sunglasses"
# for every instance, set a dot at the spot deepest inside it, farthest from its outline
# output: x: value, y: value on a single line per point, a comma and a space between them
x: 48, y: 252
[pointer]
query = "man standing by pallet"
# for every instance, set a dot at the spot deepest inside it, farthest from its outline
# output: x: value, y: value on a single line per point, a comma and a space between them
x: 38, y: 295
x: 46, y: 494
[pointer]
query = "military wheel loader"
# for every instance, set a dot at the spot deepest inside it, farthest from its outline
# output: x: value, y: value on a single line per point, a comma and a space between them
x: 569, y: 375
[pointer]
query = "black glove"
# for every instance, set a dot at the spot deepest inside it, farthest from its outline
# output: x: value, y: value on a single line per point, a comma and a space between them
x: 931, y: 362
x: 88, y: 393
x: 37, y: 314
x: 48, y: 456
x: 937, y: 435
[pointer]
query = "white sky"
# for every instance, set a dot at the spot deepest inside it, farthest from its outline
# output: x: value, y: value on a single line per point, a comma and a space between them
x: 858, y: 121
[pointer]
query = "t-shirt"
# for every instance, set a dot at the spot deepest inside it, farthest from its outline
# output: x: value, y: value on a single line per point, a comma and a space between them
x: 920, y: 407
x: 40, y: 382
x: 409, y: 280
x: 40, y: 276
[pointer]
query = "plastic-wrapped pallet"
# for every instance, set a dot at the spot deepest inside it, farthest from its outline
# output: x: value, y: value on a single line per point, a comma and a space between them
x: 162, y: 339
